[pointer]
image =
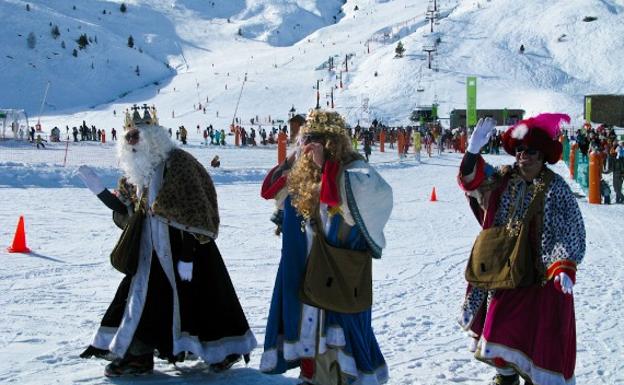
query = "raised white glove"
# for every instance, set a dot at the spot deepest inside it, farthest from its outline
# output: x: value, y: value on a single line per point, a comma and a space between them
x: 565, y: 282
x: 90, y: 179
x: 185, y: 269
x: 481, y: 135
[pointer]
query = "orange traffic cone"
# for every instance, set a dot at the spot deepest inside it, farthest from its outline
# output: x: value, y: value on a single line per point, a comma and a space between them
x: 19, y: 242
x: 434, y: 197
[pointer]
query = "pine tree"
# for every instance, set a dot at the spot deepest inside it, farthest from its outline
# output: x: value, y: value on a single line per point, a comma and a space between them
x: 123, y: 8
x: 137, y: 71
x: 240, y: 32
x: 130, y: 41
x: 83, y: 41
x: 63, y: 44
x: 55, y: 32
x: 28, y: 7
x: 31, y: 40
x: 399, y: 50
x: 75, y: 53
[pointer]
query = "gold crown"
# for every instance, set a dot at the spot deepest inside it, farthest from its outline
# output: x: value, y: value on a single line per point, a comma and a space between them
x: 135, y: 119
x: 324, y: 122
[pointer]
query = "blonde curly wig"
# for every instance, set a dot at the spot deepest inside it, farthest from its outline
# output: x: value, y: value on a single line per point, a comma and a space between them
x: 304, y: 179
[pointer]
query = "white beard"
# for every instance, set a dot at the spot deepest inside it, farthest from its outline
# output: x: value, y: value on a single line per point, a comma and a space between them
x: 139, y: 162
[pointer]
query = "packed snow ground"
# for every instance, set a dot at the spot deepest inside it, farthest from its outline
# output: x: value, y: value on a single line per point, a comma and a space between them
x: 53, y: 298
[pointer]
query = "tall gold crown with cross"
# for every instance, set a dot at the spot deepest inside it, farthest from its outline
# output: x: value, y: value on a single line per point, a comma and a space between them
x: 134, y: 119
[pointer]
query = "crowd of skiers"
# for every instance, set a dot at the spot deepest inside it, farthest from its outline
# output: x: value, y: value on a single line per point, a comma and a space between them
x: 603, y: 141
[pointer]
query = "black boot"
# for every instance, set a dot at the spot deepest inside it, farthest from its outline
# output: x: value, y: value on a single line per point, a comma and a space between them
x: 130, y: 365
x: 92, y: 351
x: 499, y: 379
x: 226, y: 363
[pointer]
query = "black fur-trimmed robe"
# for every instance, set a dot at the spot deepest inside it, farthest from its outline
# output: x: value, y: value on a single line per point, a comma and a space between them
x: 155, y: 309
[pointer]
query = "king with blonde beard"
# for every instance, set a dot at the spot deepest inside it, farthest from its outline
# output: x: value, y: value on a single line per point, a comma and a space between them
x: 325, y: 194
x: 166, y: 303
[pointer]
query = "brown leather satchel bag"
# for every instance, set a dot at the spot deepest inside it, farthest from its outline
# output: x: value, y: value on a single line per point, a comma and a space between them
x: 337, y: 279
x: 125, y: 254
x: 503, y: 259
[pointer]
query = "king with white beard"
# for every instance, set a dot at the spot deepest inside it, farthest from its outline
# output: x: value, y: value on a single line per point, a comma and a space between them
x: 176, y: 284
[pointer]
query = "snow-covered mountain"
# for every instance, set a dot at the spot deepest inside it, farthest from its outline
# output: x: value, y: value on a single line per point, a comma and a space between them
x: 188, y: 52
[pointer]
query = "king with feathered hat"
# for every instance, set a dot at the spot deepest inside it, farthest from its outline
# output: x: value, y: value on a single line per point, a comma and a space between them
x: 522, y: 322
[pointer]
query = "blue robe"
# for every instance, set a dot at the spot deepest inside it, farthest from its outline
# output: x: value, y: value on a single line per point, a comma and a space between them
x: 293, y: 329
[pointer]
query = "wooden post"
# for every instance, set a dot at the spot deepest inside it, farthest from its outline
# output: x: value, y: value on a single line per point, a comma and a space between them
x: 400, y: 144
x: 282, y: 138
x: 236, y: 136
x: 382, y: 141
x: 462, y: 143
x: 595, y: 171
x: 572, y: 160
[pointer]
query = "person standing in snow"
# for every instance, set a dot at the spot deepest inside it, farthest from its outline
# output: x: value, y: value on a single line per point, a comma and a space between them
x: 183, y: 134
x: 206, y: 138
x: 177, y: 297
x: 417, y: 144
x: 368, y: 139
x: 527, y: 328
x: 618, y: 170
x: 40, y: 141
x: 326, y: 185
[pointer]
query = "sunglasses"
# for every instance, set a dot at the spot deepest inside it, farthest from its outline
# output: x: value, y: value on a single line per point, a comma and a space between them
x: 526, y: 150
x: 316, y: 138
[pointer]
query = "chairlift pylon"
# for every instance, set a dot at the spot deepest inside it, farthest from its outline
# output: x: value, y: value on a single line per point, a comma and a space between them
x: 419, y: 87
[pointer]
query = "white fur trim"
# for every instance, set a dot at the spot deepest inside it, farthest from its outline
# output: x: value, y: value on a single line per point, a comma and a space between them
x: 520, y: 131
x: 539, y: 375
x: 215, y: 351
x: 103, y: 337
x: 268, y: 361
x: 347, y: 366
x: 335, y: 336
x: 117, y: 340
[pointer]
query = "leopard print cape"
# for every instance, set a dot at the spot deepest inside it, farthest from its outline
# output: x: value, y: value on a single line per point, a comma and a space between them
x: 187, y: 198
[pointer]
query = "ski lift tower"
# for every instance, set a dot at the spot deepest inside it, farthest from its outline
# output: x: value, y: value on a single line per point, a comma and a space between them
x: 430, y: 49
x: 431, y: 17
x: 420, y: 87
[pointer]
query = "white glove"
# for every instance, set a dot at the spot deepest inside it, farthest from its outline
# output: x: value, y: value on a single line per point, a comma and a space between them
x: 185, y: 269
x: 565, y: 282
x: 90, y: 179
x: 481, y: 135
